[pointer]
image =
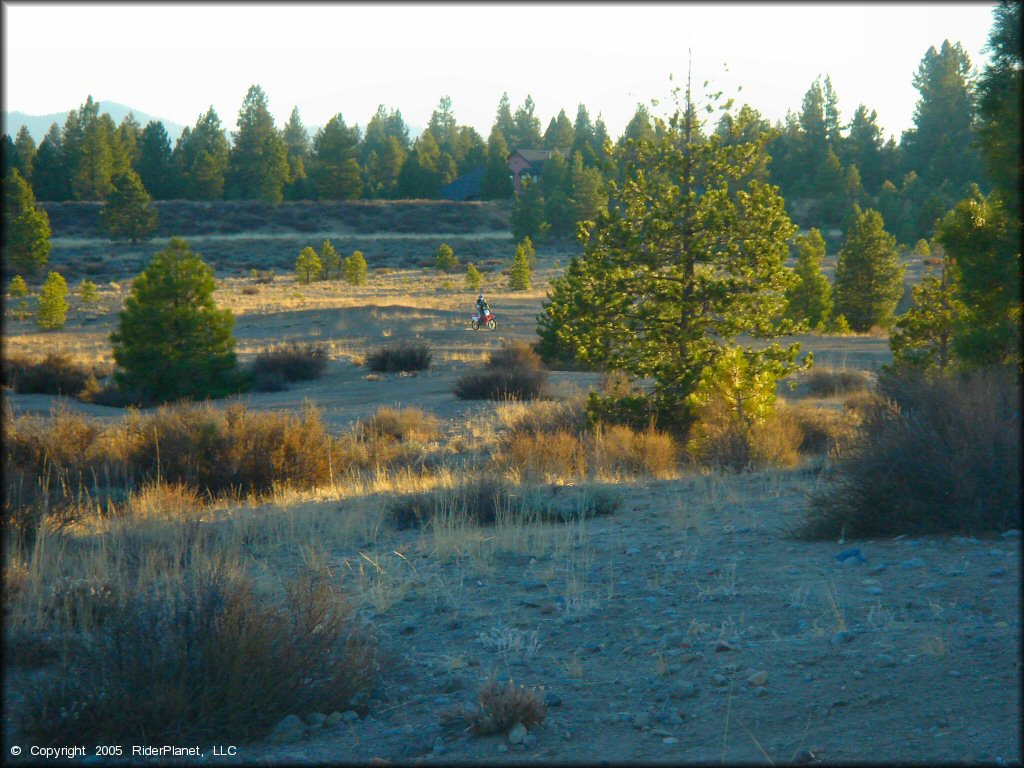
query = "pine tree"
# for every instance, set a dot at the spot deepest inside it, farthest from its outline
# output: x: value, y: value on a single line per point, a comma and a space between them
x: 677, y: 269
x: 28, y: 245
x: 527, y: 127
x: 473, y: 278
x: 528, y: 213
x: 202, y: 158
x: 53, y: 303
x: 18, y: 288
x: 50, y: 179
x: 330, y: 260
x: 24, y: 153
x: 18, y: 198
x: 810, y: 299
x: 355, y: 269
x: 127, y: 212
x: 307, y: 266
x: 172, y: 341
x: 531, y: 253
x: 88, y: 292
x: 981, y: 238
x: 519, y: 275
x: 559, y: 134
x: 297, y: 142
x: 335, y: 169
x: 999, y: 90
x: 496, y: 184
x: 869, y: 276
x: 258, y: 161
x: 589, y: 197
x: 923, y: 335
x: 445, y: 259
x: 155, y: 166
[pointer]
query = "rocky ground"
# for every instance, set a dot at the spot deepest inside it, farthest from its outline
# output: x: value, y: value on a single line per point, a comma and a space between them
x: 690, y: 626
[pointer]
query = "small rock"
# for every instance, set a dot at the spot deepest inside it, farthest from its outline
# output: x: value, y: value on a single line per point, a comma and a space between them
x: 719, y: 680
x: 877, y: 568
x: 349, y: 716
x: 531, y: 585
x: 804, y: 756
x: 503, y: 748
x: 1013, y: 533
x: 683, y: 691
x: 857, y: 674
x: 997, y: 572
x: 914, y: 562
x: 954, y: 673
x: 529, y: 740
x: 723, y: 646
x: 407, y: 629
x: 516, y: 733
x: 670, y: 741
x: 641, y: 720
x: 873, y: 590
x: 633, y: 551
x: 332, y: 720
x: 760, y: 692
x: 289, y: 729
x: 885, y: 660
x: 842, y: 636
x: 316, y: 720
x: 758, y: 678
x: 852, y: 553
x: 552, y: 699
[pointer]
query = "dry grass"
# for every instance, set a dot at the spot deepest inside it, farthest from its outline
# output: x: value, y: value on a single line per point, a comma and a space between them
x: 405, y: 424
x: 404, y: 357
x: 55, y: 374
x: 287, y: 363
x: 828, y: 382
x: 513, y: 372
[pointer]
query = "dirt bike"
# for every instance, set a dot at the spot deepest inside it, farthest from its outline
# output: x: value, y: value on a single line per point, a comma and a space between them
x: 486, y: 320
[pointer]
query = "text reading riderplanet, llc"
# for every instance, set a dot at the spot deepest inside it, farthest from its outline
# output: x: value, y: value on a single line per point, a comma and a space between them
x: 52, y: 753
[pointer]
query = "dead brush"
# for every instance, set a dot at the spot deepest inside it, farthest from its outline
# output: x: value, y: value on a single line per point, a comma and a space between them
x: 405, y: 424
x: 55, y: 374
x: 404, y: 357
x: 499, y: 707
x: 513, y: 372
x: 209, y: 659
x: 827, y: 382
x: 291, y: 362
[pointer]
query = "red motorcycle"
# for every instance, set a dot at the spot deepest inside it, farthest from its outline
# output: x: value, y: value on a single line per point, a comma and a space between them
x: 486, y: 320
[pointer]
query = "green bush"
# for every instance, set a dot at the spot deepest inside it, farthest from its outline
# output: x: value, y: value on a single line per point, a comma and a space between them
x: 18, y: 288
x: 88, y: 292
x: 355, y: 269
x: 445, y: 260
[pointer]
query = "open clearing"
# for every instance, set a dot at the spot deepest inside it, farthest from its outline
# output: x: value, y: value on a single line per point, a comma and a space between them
x: 688, y: 626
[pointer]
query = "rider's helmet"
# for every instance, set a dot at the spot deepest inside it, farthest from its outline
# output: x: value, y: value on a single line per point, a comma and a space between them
x: 480, y: 297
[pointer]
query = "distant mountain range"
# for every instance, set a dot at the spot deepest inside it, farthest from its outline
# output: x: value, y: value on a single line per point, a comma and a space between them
x: 38, y: 125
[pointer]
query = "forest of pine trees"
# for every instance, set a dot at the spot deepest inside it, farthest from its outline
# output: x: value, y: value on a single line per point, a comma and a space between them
x: 823, y: 165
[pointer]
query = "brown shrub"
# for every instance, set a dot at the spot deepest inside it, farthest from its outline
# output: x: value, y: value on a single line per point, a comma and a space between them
x: 291, y: 362
x: 499, y: 707
x: 548, y: 454
x: 933, y: 455
x: 400, y: 424
x: 719, y: 440
x: 478, y: 500
x: 821, y: 430
x: 404, y: 357
x: 826, y: 382
x: 55, y: 374
x: 211, y: 660
x: 513, y: 372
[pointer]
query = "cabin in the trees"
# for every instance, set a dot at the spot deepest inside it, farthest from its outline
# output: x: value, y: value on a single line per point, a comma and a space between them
x: 526, y: 163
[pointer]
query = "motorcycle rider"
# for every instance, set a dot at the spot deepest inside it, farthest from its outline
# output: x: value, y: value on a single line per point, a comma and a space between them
x: 482, y: 307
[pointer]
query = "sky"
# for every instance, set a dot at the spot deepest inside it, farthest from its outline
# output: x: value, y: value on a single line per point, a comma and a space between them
x: 174, y: 61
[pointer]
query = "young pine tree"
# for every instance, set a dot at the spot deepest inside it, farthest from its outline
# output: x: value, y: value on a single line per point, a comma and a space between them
x: 28, y: 247
x: 923, y: 335
x: 810, y: 299
x: 18, y: 288
x: 519, y: 276
x: 869, y: 276
x: 88, y: 292
x: 53, y: 303
x: 445, y: 260
x: 127, y: 213
x: 307, y: 266
x: 528, y: 213
x: 355, y: 269
x: 172, y: 340
x: 473, y: 278
x: 330, y: 261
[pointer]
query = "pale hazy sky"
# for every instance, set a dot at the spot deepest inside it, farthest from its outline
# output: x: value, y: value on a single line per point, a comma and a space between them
x: 175, y: 60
